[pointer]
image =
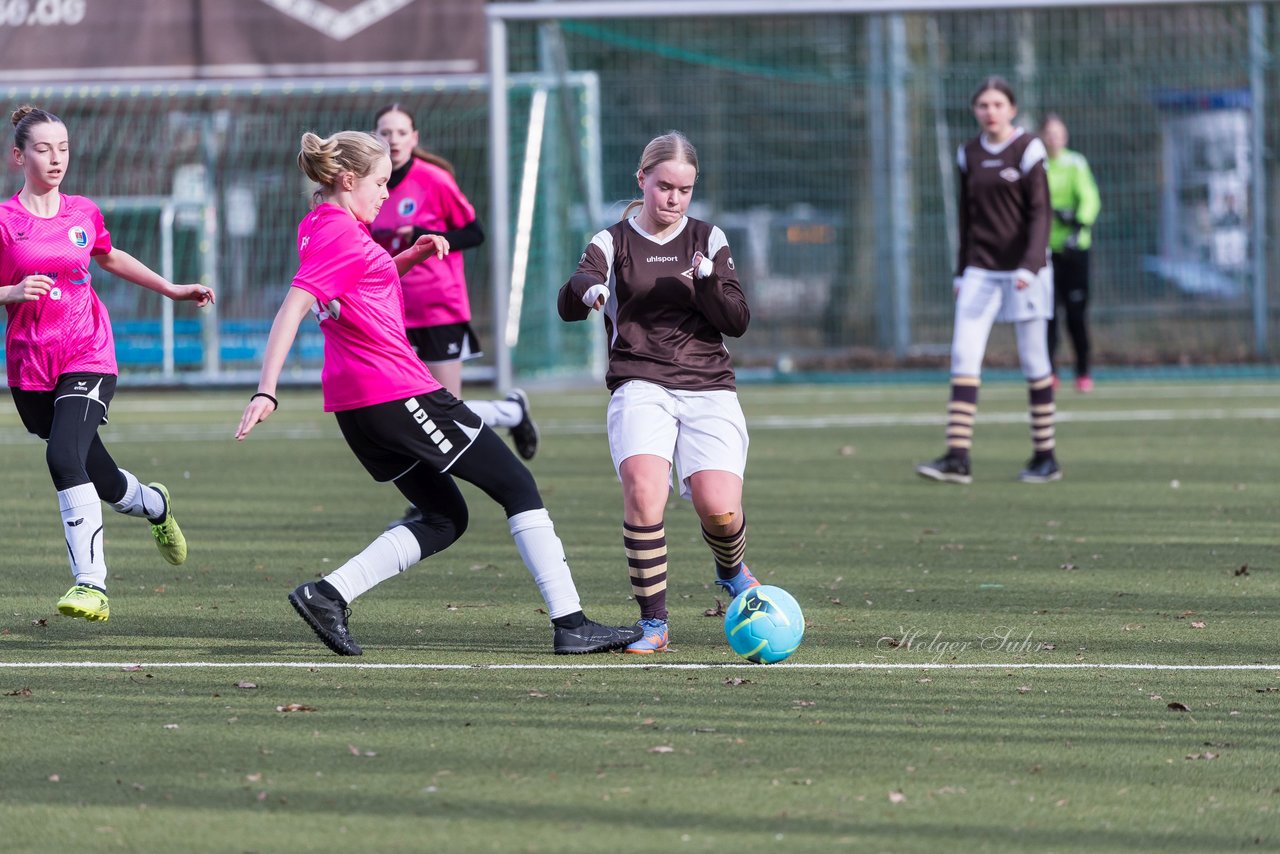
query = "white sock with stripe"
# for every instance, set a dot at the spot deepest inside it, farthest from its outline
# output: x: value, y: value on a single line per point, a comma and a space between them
x: 139, y: 499
x: 82, y: 526
x: 391, y: 554
x: 543, y: 554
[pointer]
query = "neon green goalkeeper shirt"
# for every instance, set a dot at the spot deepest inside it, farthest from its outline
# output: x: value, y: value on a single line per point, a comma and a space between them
x: 1072, y: 189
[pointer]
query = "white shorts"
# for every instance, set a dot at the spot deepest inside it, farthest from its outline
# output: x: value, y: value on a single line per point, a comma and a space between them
x: 981, y: 291
x: 693, y: 430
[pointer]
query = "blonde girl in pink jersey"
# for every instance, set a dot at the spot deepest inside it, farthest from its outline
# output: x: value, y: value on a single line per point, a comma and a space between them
x: 425, y: 199
x: 402, y: 425
x: 60, y: 354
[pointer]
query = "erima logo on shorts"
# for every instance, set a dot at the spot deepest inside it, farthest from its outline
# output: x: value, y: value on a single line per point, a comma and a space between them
x: 654, y: 259
x: 78, y: 236
x: 428, y: 426
x: 406, y: 207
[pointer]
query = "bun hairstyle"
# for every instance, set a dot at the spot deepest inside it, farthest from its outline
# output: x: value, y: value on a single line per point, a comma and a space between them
x: 672, y: 145
x: 324, y: 159
x: 419, y: 152
x: 25, y: 118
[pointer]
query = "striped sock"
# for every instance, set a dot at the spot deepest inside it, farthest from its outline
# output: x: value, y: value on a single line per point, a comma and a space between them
x: 646, y: 548
x: 727, y: 552
x: 1040, y: 403
x: 961, y: 412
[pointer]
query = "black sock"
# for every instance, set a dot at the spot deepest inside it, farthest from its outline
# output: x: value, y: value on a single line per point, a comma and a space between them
x: 328, y: 591
x: 101, y: 590
x: 570, y: 621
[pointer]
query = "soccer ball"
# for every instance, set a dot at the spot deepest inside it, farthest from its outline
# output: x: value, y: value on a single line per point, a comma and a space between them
x: 764, y: 624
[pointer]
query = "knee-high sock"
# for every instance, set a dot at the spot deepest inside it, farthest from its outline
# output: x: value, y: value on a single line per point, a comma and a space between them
x: 961, y: 412
x: 1040, y: 403
x: 646, y: 550
x: 82, y: 525
x: 392, y: 553
x: 727, y: 552
x: 140, y: 500
x: 497, y: 413
x: 543, y: 553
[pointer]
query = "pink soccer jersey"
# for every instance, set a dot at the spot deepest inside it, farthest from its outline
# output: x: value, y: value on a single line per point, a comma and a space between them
x: 367, y: 358
x: 435, y: 293
x: 67, y: 330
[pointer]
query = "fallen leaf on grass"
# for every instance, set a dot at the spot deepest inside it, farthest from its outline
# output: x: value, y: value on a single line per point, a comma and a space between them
x: 536, y: 694
x: 295, y: 707
x: 355, y: 751
x: 1243, y: 570
x: 662, y: 748
x: 1198, y: 624
x: 21, y: 692
x: 1205, y: 755
x: 42, y: 623
x: 131, y: 668
x: 1178, y: 707
x: 896, y: 797
x: 1024, y: 689
x: 805, y: 703
x: 246, y: 685
x: 717, y: 611
x: 54, y: 778
x: 254, y: 778
x: 736, y: 681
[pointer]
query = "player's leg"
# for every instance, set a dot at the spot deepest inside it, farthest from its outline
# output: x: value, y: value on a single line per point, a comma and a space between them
x: 642, y: 426
x: 128, y: 496
x: 1033, y: 353
x: 490, y: 465
x: 1059, y: 310
x: 1074, y: 283
x: 711, y: 456
x: 977, y: 304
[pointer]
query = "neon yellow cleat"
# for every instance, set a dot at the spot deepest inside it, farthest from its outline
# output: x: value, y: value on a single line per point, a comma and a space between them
x: 85, y: 602
x: 169, y: 539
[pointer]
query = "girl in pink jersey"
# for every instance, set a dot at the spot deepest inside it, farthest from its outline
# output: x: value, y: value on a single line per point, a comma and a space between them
x: 668, y: 290
x: 402, y: 425
x: 60, y: 354
x: 425, y: 199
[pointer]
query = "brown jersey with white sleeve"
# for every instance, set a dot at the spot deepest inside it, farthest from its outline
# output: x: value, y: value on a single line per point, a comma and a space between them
x: 1004, y: 204
x: 665, y: 323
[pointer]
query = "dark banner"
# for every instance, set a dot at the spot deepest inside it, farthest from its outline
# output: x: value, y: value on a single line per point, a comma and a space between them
x: 46, y: 41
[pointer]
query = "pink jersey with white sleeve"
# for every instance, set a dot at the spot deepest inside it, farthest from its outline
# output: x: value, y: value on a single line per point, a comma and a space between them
x: 367, y: 358
x: 67, y: 330
x: 435, y: 293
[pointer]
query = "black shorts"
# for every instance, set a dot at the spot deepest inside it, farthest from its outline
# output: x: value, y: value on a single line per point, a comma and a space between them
x: 35, y: 408
x: 391, y: 438
x: 451, y: 342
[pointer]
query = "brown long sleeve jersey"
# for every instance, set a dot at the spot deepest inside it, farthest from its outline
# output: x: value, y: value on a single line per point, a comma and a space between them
x: 663, y: 324
x: 1004, y: 205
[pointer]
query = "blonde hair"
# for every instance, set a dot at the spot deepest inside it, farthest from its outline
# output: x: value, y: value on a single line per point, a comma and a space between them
x: 323, y: 160
x: 672, y: 145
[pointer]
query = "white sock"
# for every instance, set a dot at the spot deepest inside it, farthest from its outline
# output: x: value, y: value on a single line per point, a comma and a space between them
x: 392, y: 553
x: 543, y: 553
x: 497, y: 413
x: 139, y: 499
x: 82, y: 525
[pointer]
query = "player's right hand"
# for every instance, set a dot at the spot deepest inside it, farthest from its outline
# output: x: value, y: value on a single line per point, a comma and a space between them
x: 31, y: 288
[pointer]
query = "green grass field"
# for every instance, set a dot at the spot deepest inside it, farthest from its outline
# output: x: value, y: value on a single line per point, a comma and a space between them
x: 916, y: 717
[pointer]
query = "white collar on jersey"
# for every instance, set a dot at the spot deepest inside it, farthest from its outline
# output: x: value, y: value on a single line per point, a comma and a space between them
x: 996, y: 149
x: 661, y: 241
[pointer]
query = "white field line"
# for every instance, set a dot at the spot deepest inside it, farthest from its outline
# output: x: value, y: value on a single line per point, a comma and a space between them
x: 332, y: 665
x: 327, y: 430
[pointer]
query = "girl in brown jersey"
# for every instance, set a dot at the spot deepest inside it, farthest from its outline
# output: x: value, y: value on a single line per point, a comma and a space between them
x: 669, y: 293
x: 1002, y: 274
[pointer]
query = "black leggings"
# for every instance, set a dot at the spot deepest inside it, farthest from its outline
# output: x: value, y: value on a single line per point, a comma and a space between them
x: 1071, y: 292
x: 75, y: 453
x: 487, y: 464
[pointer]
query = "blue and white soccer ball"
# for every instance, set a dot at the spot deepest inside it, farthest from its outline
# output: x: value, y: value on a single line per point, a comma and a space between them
x: 764, y: 624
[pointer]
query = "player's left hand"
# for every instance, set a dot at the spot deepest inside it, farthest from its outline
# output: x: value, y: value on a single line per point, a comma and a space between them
x: 702, y: 266
x: 258, y: 410
x: 430, y: 243
x: 1021, y: 284
x: 201, y: 295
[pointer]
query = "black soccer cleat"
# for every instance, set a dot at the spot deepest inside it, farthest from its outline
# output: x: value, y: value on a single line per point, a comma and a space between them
x: 326, y: 618
x: 1041, y: 470
x: 947, y: 468
x: 593, y: 637
x: 525, y: 434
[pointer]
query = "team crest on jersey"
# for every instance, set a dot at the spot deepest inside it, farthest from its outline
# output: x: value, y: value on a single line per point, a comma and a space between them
x: 406, y: 207
x: 1010, y: 174
x: 78, y: 236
